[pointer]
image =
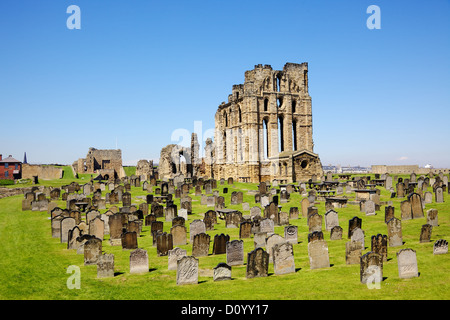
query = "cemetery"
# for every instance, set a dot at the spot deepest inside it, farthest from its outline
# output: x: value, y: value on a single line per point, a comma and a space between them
x: 141, y: 237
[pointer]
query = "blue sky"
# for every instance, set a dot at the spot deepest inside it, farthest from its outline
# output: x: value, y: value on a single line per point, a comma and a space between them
x: 137, y: 71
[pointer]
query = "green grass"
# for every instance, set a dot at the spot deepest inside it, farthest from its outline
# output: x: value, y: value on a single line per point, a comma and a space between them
x: 33, y: 264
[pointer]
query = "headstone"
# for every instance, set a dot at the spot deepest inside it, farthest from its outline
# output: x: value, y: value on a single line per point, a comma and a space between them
x: 197, y: 226
x: 379, y: 245
x: 174, y: 255
x: 129, y: 240
x: 257, y: 263
x: 291, y: 234
x: 92, y: 250
x: 139, y: 261
x: 425, y: 233
x: 164, y: 243
x: 416, y: 205
x: 353, y: 223
x: 266, y: 225
x: 440, y: 247
x: 271, y: 240
x: 336, y: 233
x: 222, y: 272
x: 97, y: 228
x: 220, y: 243
x: 388, y: 213
x: 115, y: 229
x: 432, y: 217
x: 395, y: 236
x: 178, y: 235
x: 428, y: 197
x: 315, y: 222
x: 331, y: 220
x: 105, y: 266
x: 305, y: 205
x: 318, y: 254
x: 283, y: 258
x: 369, y: 208
x: 358, y: 236
x: 245, y: 229
x: 259, y: 239
x: 187, y: 270
x: 353, y: 252
x: 66, y: 225
x: 233, y: 219
x: 293, y: 213
x: 371, y: 268
x: 439, y: 195
x: 255, y: 211
x: 235, y: 252
x: 200, y: 245
x: 407, y: 264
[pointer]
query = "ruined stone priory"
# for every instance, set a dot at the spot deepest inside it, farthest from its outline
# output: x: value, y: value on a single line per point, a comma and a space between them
x: 264, y: 131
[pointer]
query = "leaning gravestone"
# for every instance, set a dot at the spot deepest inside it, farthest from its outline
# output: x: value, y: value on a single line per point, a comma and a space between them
x: 371, y: 268
x: 318, y: 254
x: 353, y: 223
x: 257, y: 263
x: 139, y: 261
x: 222, y: 272
x: 440, y: 247
x: 235, y: 252
x: 105, y: 266
x: 407, y: 264
x: 283, y: 258
x: 187, y: 270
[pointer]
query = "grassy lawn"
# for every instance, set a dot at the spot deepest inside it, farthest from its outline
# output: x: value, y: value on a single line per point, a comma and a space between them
x: 33, y: 265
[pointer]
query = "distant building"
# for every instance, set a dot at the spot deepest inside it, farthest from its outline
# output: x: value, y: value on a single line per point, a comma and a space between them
x: 10, y: 168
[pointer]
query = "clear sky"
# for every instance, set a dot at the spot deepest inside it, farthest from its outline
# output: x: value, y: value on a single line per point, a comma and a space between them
x: 138, y: 71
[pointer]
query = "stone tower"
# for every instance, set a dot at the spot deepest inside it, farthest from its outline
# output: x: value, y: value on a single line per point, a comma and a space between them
x: 264, y: 131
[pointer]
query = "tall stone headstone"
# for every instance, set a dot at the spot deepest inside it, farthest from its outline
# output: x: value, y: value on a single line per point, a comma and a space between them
x: 432, y: 217
x: 318, y: 254
x: 371, y: 268
x: 187, y: 270
x: 92, y: 250
x: 235, y: 252
x: 178, y: 235
x: 379, y: 245
x: 174, y: 255
x: 416, y: 205
x: 425, y: 233
x: 353, y: 252
x: 200, y: 245
x: 439, y: 195
x: 257, y: 263
x: 197, y: 226
x: 331, y: 220
x: 139, y: 261
x: 283, y: 258
x: 271, y: 241
x: 164, y: 243
x: 407, y: 264
x: 105, y: 266
x: 394, y: 227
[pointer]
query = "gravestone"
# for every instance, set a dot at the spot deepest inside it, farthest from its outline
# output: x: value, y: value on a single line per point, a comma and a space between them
x: 222, y: 272
x: 235, y: 252
x: 72, y: 236
x: 331, y: 220
x: 371, y: 268
x: 233, y: 219
x: 164, y: 243
x: 187, y: 270
x: 255, y: 211
x: 315, y: 222
x: 291, y: 234
x: 283, y: 258
x: 220, y: 243
x: 271, y: 241
x: 305, y: 205
x: 353, y: 252
x: 259, y: 239
x: 197, y: 226
x: 266, y: 225
x: 388, y: 213
x: 66, y: 225
x: 97, y: 228
x: 115, y: 229
x: 245, y: 229
x: 139, y: 261
x: 439, y: 195
x: 432, y: 217
x: 293, y: 213
x: 174, y: 255
x: 318, y: 254
x: 440, y: 247
x: 126, y: 199
x: 379, y: 245
x: 425, y: 233
x: 336, y: 233
x: 200, y: 245
x: 178, y: 235
x: 416, y: 205
x: 129, y: 240
x: 369, y: 208
x: 405, y: 207
x: 358, y: 236
x: 92, y: 250
x: 105, y: 266
x: 395, y: 236
x: 353, y: 223
x: 407, y: 264
x: 428, y: 197
x: 257, y: 263
x: 316, y: 235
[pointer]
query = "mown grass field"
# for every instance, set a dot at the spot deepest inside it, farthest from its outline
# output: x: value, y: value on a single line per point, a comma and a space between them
x: 33, y: 265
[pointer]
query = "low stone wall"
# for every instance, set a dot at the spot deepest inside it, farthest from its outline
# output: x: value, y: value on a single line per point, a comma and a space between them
x: 43, y: 172
x: 9, y: 192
